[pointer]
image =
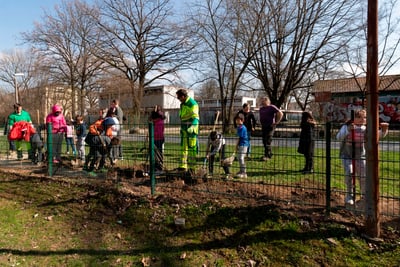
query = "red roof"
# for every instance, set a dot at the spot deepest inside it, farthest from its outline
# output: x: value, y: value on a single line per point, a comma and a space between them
x: 386, y: 83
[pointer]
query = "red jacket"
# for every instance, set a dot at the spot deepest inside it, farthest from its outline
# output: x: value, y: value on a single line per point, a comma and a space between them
x: 21, y: 130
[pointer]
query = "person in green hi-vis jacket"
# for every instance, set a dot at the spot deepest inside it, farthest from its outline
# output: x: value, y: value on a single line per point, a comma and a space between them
x: 189, y: 115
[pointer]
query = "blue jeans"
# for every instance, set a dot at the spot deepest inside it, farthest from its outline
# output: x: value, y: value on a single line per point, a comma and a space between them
x: 70, y: 143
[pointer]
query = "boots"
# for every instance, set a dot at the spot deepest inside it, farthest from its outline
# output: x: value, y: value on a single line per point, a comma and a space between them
x: 19, y: 154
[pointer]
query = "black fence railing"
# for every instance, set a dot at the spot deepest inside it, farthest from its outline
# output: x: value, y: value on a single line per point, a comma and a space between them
x: 278, y: 178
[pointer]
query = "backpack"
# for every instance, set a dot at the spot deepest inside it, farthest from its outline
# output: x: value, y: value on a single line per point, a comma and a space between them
x: 97, y: 127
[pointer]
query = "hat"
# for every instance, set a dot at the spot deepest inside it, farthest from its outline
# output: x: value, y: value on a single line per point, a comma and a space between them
x: 108, y: 122
x: 56, y: 108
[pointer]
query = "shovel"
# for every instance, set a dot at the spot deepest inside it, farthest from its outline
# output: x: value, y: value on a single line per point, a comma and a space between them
x: 229, y: 160
x: 202, y: 172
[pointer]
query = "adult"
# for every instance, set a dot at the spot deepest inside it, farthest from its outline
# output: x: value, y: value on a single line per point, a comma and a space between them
x: 112, y: 132
x: 307, y: 140
x: 189, y: 115
x: 249, y: 122
x: 157, y: 117
x: 59, y: 128
x: 18, y: 115
x: 119, y: 113
x: 270, y: 116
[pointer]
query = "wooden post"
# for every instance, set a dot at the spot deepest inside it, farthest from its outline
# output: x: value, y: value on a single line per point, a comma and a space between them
x: 372, y: 223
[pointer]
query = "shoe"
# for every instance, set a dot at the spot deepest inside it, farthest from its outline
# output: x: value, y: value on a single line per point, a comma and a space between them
x: 264, y: 158
x: 228, y: 176
x: 349, y: 200
x: 241, y: 175
x: 158, y: 172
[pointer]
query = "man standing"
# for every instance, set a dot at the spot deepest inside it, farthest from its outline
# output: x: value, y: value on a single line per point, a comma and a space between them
x: 189, y: 115
x: 249, y: 122
x: 270, y: 116
x: 118, y: 112
x: 19, y: 115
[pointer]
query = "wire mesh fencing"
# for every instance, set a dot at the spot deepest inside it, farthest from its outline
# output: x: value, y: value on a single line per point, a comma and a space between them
x: 279, y: 178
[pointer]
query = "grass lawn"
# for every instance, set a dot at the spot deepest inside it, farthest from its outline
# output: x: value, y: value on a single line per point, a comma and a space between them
x: 47, y: 222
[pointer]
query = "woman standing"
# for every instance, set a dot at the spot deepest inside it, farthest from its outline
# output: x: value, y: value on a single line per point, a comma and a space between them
x: 157, y: 117
x: 59, y: 128
x: 307, y: 141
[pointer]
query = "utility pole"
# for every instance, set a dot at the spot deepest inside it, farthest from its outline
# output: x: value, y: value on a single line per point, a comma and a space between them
x: 372, y: 223
x: 16, y: 86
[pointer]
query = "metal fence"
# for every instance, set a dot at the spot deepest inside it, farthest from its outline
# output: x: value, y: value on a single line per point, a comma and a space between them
x: 277, y: 179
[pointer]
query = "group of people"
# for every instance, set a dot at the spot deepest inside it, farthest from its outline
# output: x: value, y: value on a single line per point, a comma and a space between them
x: 22, y: 133
x: 103, y: 138
x: 244, y: 123
x: 352, y: 135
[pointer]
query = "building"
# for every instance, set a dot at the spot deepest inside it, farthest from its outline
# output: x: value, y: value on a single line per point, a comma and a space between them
x: 165, y: 96
x: 338, y: 97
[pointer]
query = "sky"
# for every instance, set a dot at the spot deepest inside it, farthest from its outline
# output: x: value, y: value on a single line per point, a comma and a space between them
x: 19, y: 16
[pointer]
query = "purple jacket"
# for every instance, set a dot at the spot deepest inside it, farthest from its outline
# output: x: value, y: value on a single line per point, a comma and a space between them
x: 158, y: 129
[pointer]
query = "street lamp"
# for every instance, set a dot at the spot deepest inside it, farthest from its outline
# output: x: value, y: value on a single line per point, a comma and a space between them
x: 16, y: 85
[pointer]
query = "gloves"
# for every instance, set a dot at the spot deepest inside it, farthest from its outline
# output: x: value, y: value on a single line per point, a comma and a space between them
x: 190, y: 130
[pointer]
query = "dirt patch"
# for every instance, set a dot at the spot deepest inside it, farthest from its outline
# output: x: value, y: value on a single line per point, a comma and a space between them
x: 177, y: 189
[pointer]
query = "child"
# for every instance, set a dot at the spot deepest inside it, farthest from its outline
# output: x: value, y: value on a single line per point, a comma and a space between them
x: 353, y: 134
x: 307, y: 141
x: 92, y: 140
x: 69, y: 137
x: 158, y: 117
x: 216, y: 144
x: 37, y: 147
x: 80, y: 132
x: 242, y: 145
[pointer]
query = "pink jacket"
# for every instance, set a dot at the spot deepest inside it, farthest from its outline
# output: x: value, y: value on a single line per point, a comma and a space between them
x: 158, y: 129
x: 59, y: 123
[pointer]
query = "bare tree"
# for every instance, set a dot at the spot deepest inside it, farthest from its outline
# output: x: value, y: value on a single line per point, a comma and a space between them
x: 16, y: 62
x: 65, y: 42
x: 297, y: 36
x: 355, y: 63
x: 141, y: 40
x: 226, y: 35
x: 209, y: 90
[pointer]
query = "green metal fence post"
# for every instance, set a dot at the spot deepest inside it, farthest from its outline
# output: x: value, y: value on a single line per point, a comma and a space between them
x: 152, y: 158
x: 50, y: 148
x: 328, y: 167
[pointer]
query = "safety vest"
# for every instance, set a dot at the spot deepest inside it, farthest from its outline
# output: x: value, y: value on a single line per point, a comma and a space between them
x: 189, y: 112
